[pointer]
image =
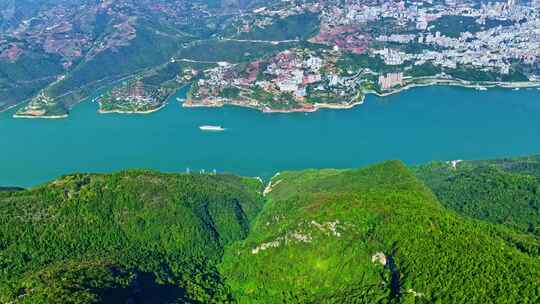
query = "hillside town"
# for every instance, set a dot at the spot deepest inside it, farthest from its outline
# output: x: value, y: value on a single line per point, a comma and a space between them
x: 337, y: 51
x: 493, y: 35
x: 404, y: 44
x: 295, y: 79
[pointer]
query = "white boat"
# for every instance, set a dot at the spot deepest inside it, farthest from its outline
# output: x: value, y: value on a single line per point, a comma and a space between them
x: 481, y: 88
x: 212, y: 128
x: 516, y: 89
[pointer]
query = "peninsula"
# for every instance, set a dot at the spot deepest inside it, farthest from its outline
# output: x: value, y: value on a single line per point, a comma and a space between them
x: 274, y: 56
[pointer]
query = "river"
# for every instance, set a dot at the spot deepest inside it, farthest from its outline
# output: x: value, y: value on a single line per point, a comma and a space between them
x: 416, y: 126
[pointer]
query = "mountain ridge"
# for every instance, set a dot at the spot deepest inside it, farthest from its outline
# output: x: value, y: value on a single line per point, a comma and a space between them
x: 368, y: 235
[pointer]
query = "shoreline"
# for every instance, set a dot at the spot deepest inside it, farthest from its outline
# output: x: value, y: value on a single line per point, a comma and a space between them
x: 317, y: 106
x: 100, y: 111
x: 431, y: 82
x: 12, y: 106
x: 23, y: 116
x: 458, y: 83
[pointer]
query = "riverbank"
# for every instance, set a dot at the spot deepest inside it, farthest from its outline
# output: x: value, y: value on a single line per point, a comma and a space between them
x: 310, y: 108
x: 23, y: 116
x: 458, y: 83
x: 413, y: 83
x: 118, y: 111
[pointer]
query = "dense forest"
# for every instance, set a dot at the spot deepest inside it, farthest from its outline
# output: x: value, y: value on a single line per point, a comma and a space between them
x: 437, y: 233
x: 323, y: 235
x: 132, y: 235
x: 10, y: 189
x: 505, y: 191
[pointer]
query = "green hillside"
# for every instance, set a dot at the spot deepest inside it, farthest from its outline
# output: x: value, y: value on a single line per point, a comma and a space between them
x: 529, y: 165
x: 23, y: 79
x: 111, y: 65
x: 302, y: 26
x: 322, y: 235
x: 138, y: 234
x: 505, y: 191
x: 371, y: 235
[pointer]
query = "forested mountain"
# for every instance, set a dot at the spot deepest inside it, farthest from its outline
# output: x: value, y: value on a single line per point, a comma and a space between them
x: 504, y: 191
x: 371, y: 235
x: 324, y: 236
x: 134, y: 236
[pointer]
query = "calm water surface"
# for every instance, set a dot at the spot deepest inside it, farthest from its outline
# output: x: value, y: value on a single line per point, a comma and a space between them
x: 415, y: 126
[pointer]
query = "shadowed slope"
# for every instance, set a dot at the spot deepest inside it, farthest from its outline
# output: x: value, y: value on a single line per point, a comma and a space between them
x: 116, y: 231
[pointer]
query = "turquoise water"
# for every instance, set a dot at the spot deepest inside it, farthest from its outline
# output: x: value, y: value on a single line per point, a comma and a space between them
x: 415, y: 126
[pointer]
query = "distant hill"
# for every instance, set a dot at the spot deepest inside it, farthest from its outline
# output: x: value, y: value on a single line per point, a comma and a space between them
x: 55, y: 54
x: 371, y: 235
x: 68, y: 49
x: 10, y: 189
